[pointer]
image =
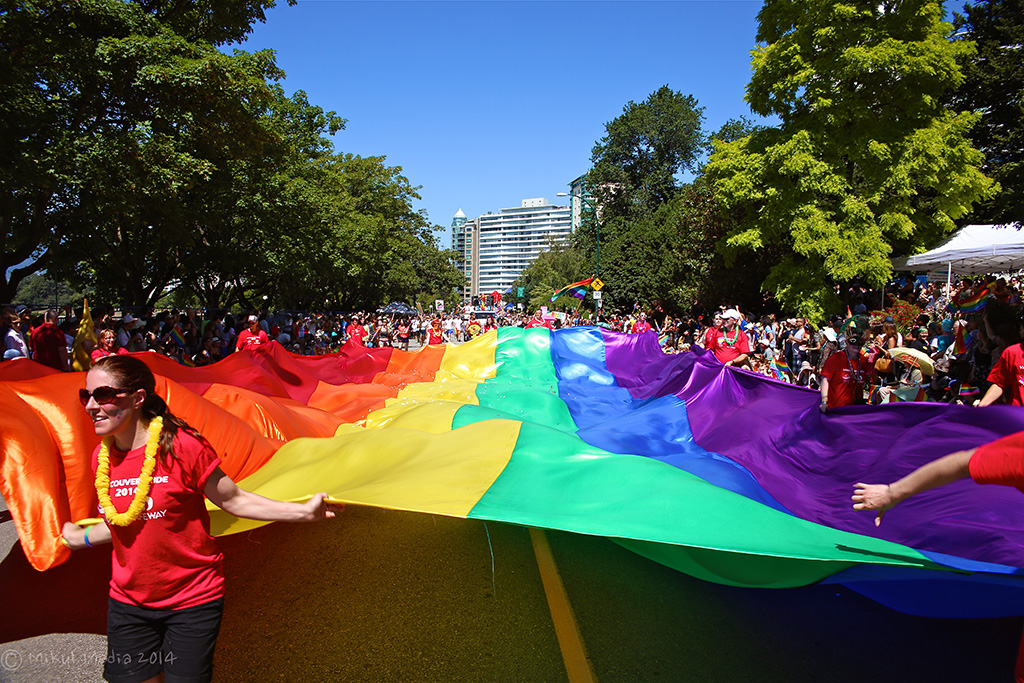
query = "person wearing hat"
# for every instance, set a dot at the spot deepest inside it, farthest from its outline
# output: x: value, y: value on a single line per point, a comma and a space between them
x: 844, y: 374
x: 828, y: 347
x: 253, y: 337
x: 356, y: 331
x: 731, y: 345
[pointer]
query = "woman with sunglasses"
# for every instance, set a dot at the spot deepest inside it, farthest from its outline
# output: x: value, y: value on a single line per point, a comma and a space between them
x: 153, y: 473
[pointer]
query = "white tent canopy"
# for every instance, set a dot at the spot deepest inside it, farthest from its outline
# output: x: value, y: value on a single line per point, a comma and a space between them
x: 972, y: 250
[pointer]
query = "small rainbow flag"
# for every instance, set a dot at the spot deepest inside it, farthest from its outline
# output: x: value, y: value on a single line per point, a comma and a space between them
x: 780, y: 369
x: 177, y: 336
x: 969, y: 390
x: 187, y: 361
x: 971, y: 304
x: 577, y: 289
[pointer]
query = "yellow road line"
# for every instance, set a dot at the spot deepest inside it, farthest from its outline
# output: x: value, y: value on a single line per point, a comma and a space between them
x: 577, y: 665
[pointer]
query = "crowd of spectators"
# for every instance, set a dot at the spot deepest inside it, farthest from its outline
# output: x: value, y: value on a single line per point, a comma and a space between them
x: 924, y: 341
x: 913, y: 341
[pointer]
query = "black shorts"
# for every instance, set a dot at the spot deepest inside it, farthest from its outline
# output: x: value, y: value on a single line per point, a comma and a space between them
x: 142, y: 642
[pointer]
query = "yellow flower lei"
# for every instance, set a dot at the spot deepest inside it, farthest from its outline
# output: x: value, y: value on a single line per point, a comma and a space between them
x: 125, y: 518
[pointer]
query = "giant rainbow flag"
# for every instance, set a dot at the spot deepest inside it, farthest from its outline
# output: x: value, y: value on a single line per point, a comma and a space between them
x: 725, y: 475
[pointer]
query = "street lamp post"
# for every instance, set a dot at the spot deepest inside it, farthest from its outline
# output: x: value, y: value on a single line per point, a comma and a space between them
x: 597, y: 228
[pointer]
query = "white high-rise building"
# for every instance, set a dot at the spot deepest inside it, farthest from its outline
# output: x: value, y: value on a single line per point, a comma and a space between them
x: 496, y: 247
x: 466, y: 244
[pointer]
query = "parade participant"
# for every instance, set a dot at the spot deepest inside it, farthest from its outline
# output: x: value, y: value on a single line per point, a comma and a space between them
x: 49, y: 344
x: 153, y: 473
x: 107, y: 345
x: 845, y: 372
x: 356, y: 332
x: 538, y: 321
x: 252, y: 338
x: 731, y: 345
x: 1007, y: 375
x: 997, y: 462
x: 640, y: 325
x: 712, y: 332
x: 403, y: 334
x: 435, y: 335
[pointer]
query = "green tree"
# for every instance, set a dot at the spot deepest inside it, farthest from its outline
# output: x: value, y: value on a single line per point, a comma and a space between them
x: 213, y: 21
x: 636, y: 169
x: 108, y: 119
x: 636, y: 163
x: 40, y: 291
x: 994, y: 87
x: 561, y: 264
x: 866, y: 163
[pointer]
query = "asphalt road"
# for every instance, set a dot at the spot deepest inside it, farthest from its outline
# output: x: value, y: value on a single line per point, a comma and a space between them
x: 385, y: 596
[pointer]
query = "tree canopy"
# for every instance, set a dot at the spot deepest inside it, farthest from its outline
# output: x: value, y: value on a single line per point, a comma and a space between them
x: 137, y: 157
x: 994, y: 88
x: 636, y: 163
x: 867, y: 163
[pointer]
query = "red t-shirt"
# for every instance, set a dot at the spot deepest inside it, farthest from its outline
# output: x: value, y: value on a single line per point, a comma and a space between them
x: 1008, y: 373
x: 1000, y: 462
x: 844, y: 388
x: 533, y: 322
x: 709, y: 336
x: 47, y: 341
x: 640, y: 326
x: 248, y: 340
x: 434, y: 335
x: 731, y: 346
x: 167, y: 558
x: 356, y: 333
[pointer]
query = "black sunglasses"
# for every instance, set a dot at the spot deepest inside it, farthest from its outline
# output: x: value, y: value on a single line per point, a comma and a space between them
x: 102, y: 395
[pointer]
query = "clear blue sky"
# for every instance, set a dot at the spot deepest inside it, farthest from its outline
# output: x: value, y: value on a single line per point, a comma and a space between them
x: 483, y: 103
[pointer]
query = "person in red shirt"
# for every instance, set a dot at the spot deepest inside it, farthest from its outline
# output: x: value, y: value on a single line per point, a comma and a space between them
x: 712, y: 332
x: 356, y: 332
x: 153, y: 474
x: 403, y: 334
x: 997, y: 462
x: 49, y: 344
x: 731, y: 345
x: 435, y: 335
x: 641, y: 325
x: 538, y: 321
x: 845, y: 372
x: 252, y: 338
x: 107, y: 345
x: 1007, y: 375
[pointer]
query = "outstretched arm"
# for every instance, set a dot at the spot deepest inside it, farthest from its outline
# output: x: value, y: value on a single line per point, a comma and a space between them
x: 994, y: 393
x: 225, y: 494
x: 882, y: 497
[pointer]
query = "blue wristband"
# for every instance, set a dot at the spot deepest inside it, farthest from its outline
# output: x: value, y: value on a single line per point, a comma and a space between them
x: 86, y: 537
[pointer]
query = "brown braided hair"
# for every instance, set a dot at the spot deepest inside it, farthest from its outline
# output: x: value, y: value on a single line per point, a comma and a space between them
x: 132, y: 374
